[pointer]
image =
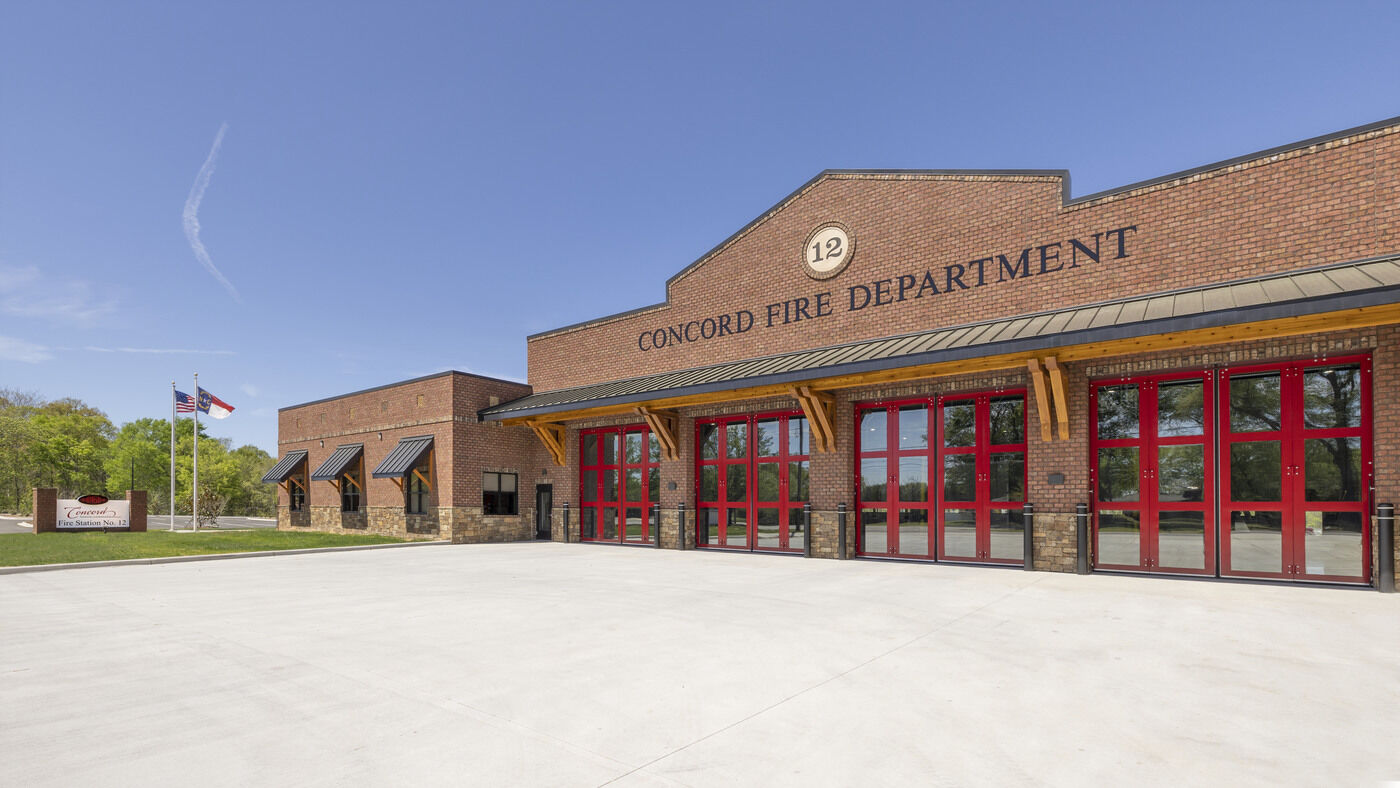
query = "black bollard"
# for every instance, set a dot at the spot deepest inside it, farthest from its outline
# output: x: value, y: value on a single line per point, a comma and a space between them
x: 566, y: 521
x: 1385, y: 545
x: 680, y: 525
x: 1028, y: 527
x: 807, y: 529
x: 656, y: 525
x: 1081, y: 528
x: 841, y: 530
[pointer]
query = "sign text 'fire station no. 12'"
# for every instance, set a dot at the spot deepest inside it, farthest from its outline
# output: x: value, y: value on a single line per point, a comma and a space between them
x: 828, y: 251
x: 75, y: 515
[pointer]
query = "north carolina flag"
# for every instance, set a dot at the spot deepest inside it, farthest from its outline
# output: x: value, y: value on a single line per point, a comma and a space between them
x: 208, y: 403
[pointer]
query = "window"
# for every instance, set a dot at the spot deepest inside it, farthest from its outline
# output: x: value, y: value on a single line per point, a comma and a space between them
x: 350, y: 490
x: 415, y: 490
x: 296, y: 495
x: 619, y: 477
x: 498, y: 493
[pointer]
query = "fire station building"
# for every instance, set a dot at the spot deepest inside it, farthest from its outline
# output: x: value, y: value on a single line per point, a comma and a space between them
x: 1193, y: 375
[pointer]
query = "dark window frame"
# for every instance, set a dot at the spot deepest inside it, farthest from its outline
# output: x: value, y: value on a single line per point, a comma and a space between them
x: 416, y: 493
x: 352, y: 494
x: 497, y: 502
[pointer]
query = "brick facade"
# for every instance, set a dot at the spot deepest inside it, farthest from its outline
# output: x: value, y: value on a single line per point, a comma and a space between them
x: 444, y: 406
x: 1311, y: 204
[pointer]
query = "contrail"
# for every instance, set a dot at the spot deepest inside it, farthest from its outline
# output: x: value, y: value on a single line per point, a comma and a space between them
x: 191, y: 214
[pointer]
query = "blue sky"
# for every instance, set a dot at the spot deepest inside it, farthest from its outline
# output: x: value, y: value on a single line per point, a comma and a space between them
x: 405, y: 188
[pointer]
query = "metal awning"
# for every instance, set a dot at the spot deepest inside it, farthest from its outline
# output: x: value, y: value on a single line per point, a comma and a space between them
x: 1363, y: 283
x: 284, y: 467
x: 404, y: 457
x: 337, y: 463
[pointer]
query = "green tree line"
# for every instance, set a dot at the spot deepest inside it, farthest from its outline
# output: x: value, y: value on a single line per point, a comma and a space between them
x: 68, y: 444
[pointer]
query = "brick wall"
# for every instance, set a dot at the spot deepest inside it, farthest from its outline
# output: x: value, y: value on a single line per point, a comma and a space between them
x: 443, y: 406
x: 1328, y: 203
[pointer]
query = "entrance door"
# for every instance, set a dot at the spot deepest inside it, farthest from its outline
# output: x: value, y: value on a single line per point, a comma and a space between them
x: 1295, y: 455
x: 751, y: 480
x: 892, y: 503
x: 544, y: 510
x: 1153, y: 473
x: 982, y: 442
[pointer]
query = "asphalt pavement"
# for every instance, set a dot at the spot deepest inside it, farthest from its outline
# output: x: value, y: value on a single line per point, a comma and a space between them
x: 156, y: 522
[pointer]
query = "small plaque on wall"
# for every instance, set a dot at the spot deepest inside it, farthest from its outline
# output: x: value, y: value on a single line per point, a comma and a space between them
x: 1055, y: 478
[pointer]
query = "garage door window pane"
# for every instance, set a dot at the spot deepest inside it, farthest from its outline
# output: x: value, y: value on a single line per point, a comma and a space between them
x: 1008, y: 534
x: 913, y: 428
x: 874, y: 535
x: 913, y: 479
x: 1255, y: 471
x: 959, y: 424
x: 1181, y: 540
x: 1181, y: 408
x: 960, y: 533
x: 1332, y: 397
x: 1332, y: 545
x: 959, y: 477
x: 872, y: 431
x: 873, y: 477
x: 1118, y: 474
x: 1333, y: 470
x: 1120, y: 538
x: 736, y: 481
x: 1181, y: 473
x: 1008, y: 420
x: 1118, y: 412
x: 1008, y: 476
x: 1254, y: 403
x: 1256, y: 541
x: 913, y: 532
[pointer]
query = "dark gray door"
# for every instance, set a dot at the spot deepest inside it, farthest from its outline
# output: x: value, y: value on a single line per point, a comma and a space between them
x: 544, y: 505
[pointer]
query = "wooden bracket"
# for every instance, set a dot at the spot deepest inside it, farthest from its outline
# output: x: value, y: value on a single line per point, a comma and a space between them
x: 552, y: 436
x: 423, y: 478
x: 397, y: 481
x: 1042, y: 399
x: 820, y: 409
x: 1057, y: 385
x: 351, y: 479
x: 664, y: 425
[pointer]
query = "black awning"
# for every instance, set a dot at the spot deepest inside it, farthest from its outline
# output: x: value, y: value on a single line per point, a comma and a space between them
x: 404, y: 457
x: 284, y: 467
x: 338, y: 462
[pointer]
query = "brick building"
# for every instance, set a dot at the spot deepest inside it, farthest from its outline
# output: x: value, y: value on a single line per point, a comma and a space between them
x: 1206, y: 361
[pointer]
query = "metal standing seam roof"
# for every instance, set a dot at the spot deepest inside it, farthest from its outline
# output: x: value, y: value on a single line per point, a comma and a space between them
x: 404, y: 457
x: 337, y: 462
x: 284, y: 467
x: 1349, y: 285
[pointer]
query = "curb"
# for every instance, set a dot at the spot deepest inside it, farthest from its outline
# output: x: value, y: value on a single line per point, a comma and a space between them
x: 180, y: 559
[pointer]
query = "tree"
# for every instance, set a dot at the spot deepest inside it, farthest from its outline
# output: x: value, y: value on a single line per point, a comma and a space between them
x: 211, y: 507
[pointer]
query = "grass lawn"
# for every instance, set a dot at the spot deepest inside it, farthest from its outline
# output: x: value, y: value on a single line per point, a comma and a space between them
x: 60, y: 548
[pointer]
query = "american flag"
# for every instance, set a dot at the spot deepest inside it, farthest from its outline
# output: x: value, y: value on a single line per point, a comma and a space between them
x: 184, y: 403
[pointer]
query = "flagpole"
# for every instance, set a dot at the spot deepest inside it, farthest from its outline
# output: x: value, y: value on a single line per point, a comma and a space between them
x: 194, y: 510
x: 172, y: 455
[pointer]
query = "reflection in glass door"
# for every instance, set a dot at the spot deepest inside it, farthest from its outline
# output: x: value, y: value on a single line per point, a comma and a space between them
x: 752, y: 478
x: 982, y: 444
x: 1152, y: 473
x: 1296, y: 467
x: 893, y: 449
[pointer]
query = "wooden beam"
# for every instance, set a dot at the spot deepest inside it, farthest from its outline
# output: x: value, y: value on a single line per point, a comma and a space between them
x: 552, y: 436
x: 664, y: 425
x: 424, y: 479
x: 1282, y: 327
x: 819, y: 408
x: 397, y: 481
x: 1042, y: 398
x: 1057, y: 385
x: 351, y: 479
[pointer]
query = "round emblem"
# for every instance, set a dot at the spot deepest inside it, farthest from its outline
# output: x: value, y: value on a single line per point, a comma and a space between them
x: 92, y: 500
x: 828, y: 250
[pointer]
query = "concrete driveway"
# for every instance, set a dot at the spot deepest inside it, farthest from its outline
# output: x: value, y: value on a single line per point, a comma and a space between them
x: 551, y: 664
